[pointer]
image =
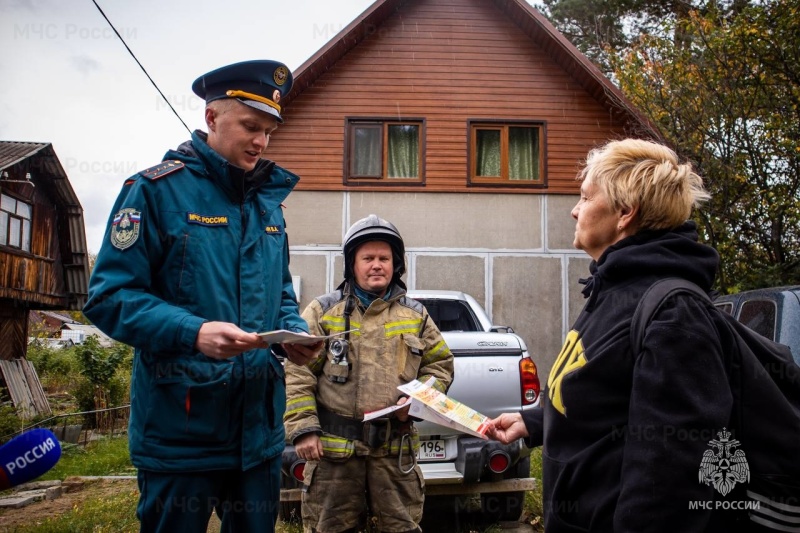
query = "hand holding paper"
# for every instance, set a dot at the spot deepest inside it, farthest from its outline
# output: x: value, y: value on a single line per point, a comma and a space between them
x: 435, y: 406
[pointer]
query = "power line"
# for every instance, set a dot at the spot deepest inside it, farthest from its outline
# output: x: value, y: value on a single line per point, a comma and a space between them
x: 141, y: 66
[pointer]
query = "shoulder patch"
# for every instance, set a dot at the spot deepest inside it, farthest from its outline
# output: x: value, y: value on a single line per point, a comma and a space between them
x: 162, y: 169
x: 327, y: 301
x: 411, y: 304
x: 125, y: 228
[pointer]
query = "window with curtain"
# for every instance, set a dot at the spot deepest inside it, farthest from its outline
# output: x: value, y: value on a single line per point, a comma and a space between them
x: 15, y: 223
x: 388, y: 151
x: 506, y: 153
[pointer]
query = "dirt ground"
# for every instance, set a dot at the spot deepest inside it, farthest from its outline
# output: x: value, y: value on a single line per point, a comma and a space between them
x: 10, y: 519
x: 13, y: 518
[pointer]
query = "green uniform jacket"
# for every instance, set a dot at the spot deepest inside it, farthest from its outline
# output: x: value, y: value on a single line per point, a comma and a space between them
x: 190, y: 241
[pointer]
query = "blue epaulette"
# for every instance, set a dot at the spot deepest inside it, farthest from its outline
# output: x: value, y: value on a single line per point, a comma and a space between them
x: 162, y: 169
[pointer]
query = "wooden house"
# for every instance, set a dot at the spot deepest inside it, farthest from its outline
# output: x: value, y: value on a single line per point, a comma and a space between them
x: 463, y: 122
x: 44, y: 263
x: 46, y: 324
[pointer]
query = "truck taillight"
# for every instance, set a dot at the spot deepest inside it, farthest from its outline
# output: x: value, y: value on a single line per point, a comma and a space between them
x: 530, y: 381
x: 297, y: 470
x: 499, y: 461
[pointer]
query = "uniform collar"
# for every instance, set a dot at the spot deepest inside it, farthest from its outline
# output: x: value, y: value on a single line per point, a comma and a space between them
x: 232, y: 179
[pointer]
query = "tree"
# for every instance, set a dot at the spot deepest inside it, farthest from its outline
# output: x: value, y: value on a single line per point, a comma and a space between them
x: 599, y: 28
x: 103, y: 387
x: 728, y: 97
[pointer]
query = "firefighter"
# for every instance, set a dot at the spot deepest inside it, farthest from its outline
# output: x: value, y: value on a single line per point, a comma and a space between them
x: 389, y: 339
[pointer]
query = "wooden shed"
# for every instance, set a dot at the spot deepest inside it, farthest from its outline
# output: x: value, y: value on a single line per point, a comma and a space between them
x: 44, y: 262
x: 464, y: 123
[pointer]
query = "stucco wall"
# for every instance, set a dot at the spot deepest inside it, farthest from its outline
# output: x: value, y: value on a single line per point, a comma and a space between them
x: 513, y: 253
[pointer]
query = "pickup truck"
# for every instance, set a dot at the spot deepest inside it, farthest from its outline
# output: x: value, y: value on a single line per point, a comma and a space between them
x: 773, y: 312
x: 493, y: 374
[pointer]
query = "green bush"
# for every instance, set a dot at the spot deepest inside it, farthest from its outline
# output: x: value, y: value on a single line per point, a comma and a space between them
x: 57, y: 368
x: 105, y: 375
x: 91, y: 396
x: 9, y: 422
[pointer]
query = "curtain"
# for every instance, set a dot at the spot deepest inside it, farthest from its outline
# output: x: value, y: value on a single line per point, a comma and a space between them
x: 3, y: 227
x: 403, y: 151
x: 365, y: 160
x: 14, y: 233
x: 488, y: 156
x: 523, y: 154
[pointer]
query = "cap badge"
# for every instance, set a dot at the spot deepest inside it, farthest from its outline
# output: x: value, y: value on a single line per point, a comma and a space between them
x: 280, y: 75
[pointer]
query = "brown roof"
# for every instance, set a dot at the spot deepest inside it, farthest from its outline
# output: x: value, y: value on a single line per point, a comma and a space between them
x: 12, y: 152
x: 525, y: 16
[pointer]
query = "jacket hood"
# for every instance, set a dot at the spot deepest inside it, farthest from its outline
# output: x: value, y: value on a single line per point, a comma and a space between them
x: 654, y: 255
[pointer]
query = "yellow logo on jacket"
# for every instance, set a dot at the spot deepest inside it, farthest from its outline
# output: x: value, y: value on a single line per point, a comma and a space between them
x: 571, y: 358
x: 194, y: 218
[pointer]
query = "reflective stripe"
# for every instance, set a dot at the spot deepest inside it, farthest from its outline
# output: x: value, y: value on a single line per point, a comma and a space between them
x: 334, y: 444
x: 290, y: 412
x: 394, y: 446
x: 335, y: 324
x: 404, y: 326
x: 439, y: 352
x: 299, y: 405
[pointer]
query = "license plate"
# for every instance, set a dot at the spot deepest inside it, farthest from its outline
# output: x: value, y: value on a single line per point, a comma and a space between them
x: 431, y: 449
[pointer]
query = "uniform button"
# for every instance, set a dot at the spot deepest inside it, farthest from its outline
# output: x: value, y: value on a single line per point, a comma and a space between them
x: 288, y: 180
x: 263, y: 212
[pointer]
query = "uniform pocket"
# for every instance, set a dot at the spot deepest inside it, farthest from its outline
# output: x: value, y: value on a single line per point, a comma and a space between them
x: 277, y: 399
x: 191, y: 403
x: 409, y: 359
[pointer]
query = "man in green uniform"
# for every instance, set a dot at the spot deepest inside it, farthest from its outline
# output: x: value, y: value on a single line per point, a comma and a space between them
x: 194, y: 263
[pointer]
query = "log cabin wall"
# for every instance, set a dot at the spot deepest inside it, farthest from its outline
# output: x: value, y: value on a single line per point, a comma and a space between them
x: 34, y: 277
x: 13, y: 331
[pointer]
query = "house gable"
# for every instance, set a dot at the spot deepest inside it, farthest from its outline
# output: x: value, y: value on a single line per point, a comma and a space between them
x: 446, y: 63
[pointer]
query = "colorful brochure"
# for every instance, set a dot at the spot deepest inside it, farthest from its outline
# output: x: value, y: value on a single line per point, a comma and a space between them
x: 435, y: 406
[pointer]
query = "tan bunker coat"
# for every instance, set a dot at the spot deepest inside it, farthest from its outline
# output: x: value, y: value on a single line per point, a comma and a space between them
x: 395, y: 342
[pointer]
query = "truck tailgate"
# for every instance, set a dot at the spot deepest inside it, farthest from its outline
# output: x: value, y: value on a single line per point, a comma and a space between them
x: 486, y: 375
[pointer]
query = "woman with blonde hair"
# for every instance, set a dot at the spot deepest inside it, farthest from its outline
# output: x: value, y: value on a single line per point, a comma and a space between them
x: 624, y: 431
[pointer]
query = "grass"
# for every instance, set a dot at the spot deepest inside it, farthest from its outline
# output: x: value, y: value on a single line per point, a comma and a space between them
x: 115, y: 510
x: 106, y: 457
x: 533, y: 499
x: 110, y: 513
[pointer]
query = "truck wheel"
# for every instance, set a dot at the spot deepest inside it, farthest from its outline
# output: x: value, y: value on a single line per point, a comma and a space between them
x: 507, y: 506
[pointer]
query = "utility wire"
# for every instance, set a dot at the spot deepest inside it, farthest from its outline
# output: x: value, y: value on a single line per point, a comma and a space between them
x: 141, y: 66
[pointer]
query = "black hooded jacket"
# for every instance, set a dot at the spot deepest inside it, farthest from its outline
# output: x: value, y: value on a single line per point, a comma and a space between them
x: 624, y: 433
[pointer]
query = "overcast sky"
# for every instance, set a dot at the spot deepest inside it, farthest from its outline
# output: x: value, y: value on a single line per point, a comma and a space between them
x: 65, y: 77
